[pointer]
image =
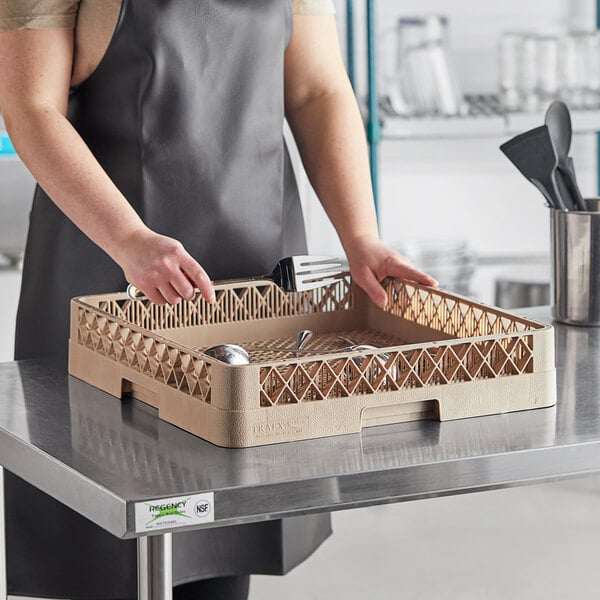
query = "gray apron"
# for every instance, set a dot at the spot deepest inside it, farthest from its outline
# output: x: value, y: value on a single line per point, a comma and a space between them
x: 185, y: 113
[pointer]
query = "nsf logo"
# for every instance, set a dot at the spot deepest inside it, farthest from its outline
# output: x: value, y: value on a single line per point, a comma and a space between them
x: 202, y: 509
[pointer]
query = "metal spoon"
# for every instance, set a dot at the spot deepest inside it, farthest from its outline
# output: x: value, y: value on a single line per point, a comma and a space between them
x: 558, y: 121
x: 359, y: 360
x: 302, y: 338
x: 229, y: 353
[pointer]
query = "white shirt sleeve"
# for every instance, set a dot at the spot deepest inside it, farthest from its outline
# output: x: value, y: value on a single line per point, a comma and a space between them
x: 313, y: 7
x: 37, y: 14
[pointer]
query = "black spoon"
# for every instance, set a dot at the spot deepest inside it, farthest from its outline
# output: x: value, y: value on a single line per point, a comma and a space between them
x: 558, y: 120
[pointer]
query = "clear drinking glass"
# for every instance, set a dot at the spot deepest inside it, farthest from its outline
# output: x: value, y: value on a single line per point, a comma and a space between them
x: 426, y: 76
x: 414, y: 72
x: 592, y: 61
x: 574, y: 69
x: 528, y: 82
x: 548, y: 76
x: 511, y: 44
x: 519, y: 69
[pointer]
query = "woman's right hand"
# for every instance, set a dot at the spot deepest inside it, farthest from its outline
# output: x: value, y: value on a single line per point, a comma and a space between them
x: 162, y: 269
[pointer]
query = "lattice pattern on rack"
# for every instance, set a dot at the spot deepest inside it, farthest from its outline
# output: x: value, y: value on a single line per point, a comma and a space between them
x: 138, y: 350
x: 384, y: 371
x: 248, y: 303
x: 323, y: 343
x: 437, y: 310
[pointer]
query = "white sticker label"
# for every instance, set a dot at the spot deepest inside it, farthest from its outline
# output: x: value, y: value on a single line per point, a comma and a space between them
x: 174, y: 512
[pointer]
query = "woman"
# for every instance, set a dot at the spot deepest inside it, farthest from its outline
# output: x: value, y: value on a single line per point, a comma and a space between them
x: 161, y: 162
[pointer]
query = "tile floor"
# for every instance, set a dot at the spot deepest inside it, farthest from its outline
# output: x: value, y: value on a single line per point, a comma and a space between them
x: 529, y: 543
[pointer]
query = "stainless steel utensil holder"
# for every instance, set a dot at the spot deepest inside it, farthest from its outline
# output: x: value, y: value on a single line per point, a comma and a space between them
x: 575, y: 241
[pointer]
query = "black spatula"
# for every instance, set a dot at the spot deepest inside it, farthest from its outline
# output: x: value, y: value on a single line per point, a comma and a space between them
x: 533, y: 154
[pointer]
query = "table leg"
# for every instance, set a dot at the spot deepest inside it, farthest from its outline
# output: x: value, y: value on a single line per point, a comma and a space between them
x: 155, y: 567
x: 3, y: 590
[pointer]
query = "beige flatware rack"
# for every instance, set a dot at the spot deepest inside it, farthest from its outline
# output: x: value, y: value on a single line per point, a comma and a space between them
x: 438, y: 356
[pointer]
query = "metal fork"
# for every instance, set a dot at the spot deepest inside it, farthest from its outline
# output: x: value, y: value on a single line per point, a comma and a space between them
x: 291, y: 274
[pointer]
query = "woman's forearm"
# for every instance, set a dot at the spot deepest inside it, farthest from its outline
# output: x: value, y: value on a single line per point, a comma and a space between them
x: 69, y: 173
x: 330, y: 136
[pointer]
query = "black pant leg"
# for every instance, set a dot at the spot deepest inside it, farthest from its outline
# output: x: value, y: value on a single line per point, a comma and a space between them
x: 217, y: 588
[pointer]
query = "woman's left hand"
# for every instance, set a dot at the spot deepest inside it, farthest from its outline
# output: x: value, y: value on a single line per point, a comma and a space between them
x: 371, y: 261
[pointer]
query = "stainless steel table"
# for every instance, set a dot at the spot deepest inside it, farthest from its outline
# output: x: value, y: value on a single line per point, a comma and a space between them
x: 106, y: 458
